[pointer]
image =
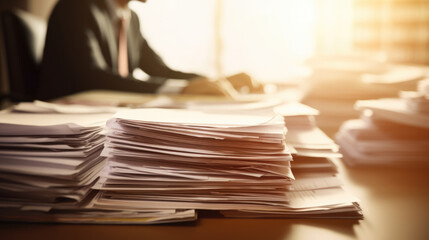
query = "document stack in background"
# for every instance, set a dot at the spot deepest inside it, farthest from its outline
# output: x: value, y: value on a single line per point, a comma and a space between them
x: 48, y: 164
x: 182, y: 159
x: 390, y: 131
x: 338, y: 82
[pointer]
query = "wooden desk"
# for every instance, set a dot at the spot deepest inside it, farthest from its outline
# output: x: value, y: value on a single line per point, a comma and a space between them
x: 395, y: 203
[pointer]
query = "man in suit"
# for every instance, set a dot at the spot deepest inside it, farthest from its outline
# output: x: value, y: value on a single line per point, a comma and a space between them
x: 96, y: 44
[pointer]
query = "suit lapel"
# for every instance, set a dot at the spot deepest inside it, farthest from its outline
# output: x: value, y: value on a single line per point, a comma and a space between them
x: 132, y: 42
x: 112, y: 40
x: 108, y: 39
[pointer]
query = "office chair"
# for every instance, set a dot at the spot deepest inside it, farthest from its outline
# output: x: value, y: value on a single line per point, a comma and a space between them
x: 23, y: 38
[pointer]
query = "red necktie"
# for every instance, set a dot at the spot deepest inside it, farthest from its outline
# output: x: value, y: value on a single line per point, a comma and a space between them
x: 122, y: 49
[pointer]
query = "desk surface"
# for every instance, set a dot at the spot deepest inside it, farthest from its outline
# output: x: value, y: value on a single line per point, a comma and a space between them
x: 395, y: 204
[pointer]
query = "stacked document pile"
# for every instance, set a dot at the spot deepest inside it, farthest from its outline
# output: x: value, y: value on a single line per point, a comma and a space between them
x: 303, y: 134
x: 418, y: 101
x: 313, y: 165
x: 338, y: 82
x: 48, y: 161
x: 183, y: 159
x: 390, y: 131
x: 48, y: 164
x: 313, y: 150
x: 316, y: 191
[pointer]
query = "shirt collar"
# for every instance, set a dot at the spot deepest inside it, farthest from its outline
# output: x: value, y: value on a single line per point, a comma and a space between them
x: 116, y: 11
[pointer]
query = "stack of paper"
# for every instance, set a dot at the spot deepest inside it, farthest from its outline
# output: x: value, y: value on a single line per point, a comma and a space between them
x: 163, y: 164
x: 316, y: 191
x: 48, y: 160
x: 338, y: 82
x: 48, y: 164
x: 182, y: 159
x: 303, y: 135
x: 418, y: 101
x: 313, y: 148
x: 390, y: 131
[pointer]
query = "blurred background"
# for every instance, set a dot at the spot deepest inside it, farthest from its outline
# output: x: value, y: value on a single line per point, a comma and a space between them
x: 269, y: 39
x: 336, y: 51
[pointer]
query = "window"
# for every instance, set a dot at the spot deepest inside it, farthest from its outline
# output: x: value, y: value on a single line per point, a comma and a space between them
x: 270, y: 39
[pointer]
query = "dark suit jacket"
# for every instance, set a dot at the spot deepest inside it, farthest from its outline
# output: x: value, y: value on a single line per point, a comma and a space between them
x: 81, y: 53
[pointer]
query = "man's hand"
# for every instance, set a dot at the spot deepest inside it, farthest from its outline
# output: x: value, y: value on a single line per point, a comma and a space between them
x: 204, y: 86
x: 243, y: 83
